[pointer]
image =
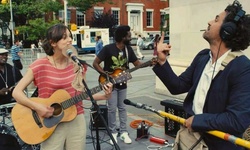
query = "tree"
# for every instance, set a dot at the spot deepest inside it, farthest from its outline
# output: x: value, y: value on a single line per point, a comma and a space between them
x: 104, y: 20
x: 35, y: 29
x: 28, y: 13
x: 83, y: 5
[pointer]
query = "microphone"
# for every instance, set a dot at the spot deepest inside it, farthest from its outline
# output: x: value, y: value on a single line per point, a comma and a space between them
x: 73, y: 57
x: 137, y: 105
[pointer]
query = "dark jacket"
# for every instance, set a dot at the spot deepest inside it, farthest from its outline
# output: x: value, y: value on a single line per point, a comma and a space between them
x: 227, y: 104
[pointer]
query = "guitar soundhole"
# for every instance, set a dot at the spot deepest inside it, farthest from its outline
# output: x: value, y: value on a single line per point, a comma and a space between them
x: 57, y: 109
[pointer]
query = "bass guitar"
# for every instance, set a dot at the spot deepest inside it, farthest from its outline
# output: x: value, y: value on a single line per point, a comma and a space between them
x: 34, y: 129
x: 117, y: 71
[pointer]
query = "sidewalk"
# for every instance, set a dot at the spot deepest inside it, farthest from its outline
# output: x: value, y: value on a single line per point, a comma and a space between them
x: 140, y: 90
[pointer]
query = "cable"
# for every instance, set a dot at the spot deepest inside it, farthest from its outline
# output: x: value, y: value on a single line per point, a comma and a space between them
x: 216, y: 60
x: 134, y: 124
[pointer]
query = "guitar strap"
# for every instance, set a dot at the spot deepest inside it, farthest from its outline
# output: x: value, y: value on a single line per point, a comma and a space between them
x: 126, y: 50
x: 230, y: 57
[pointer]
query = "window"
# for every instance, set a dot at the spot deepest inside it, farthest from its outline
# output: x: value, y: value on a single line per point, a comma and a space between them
x: 116, y: 15
x: 80, y: 18
x: 92, y: 37
x: 149, y: 18
x: 61, y: 15
x: 98, y: 11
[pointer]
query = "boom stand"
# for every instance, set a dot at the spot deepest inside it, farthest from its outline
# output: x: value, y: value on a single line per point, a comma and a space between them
x: 98, y: 111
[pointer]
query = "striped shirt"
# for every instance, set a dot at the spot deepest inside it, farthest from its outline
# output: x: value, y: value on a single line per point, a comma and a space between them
x: 49, y: 79
x: 14, y: 52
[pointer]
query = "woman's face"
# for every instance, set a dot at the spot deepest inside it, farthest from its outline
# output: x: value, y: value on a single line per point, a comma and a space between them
x: 66, y: 41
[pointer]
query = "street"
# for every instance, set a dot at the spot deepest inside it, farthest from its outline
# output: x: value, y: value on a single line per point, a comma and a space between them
x: 140, y: 90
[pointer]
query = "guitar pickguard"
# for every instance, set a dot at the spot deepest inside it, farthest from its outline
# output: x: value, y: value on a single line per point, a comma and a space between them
x: 52, y: 121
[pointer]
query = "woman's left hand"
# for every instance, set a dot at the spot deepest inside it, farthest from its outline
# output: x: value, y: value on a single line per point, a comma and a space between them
x: 108, y: 88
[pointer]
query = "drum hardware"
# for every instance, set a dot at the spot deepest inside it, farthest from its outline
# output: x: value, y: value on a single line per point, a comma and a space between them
x: 5, y: 111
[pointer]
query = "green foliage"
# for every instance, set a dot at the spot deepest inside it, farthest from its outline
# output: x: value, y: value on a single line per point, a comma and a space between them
x: 83, y: 5
x: 104, y: 20
x: 28, y: 14
x: 166, y: 29
x: 36, y: 28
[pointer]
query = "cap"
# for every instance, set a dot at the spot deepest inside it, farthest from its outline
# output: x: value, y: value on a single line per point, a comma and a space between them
x: 2, y: 51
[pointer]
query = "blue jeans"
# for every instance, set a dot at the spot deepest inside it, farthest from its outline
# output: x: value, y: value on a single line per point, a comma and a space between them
x: 116, y: 101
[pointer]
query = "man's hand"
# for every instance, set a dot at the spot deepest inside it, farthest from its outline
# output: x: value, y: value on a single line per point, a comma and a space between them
x: 188, y: 123
x: 163, y: 50
x: 4, y: 91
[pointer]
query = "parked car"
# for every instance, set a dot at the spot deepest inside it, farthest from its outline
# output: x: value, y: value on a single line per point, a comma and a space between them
x: 133, y: 41
x: 150, y: 44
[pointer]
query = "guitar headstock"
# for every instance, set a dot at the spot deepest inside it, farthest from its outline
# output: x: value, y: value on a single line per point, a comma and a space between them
x: 122, y: 77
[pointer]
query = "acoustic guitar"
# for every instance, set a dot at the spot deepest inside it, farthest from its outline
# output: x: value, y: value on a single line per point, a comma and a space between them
x: 34, y: 129
x: 103, y: 78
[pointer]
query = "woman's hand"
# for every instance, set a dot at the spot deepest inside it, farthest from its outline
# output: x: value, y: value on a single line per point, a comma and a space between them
x: 44, y: 111
x: 163, y: 50
x: 108, y: 88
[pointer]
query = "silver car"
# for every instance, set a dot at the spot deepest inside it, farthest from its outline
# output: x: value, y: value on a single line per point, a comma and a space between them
x: 150, y: 44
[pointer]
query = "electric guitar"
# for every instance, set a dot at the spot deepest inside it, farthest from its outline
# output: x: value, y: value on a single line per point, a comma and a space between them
x: 34, y: 129
x: 117, y: 71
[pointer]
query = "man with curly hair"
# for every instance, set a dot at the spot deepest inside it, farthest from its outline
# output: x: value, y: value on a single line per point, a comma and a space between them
x: 218, y: 92
x: 117, y: 56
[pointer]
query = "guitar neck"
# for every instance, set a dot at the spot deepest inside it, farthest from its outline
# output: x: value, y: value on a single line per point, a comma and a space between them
x: 140, y: 66
x: 74, y: 100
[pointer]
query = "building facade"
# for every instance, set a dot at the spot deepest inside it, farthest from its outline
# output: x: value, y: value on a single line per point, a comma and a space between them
x: 145, y: 17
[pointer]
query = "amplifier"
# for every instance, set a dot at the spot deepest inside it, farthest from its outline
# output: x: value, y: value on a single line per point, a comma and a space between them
x: 95, y: 119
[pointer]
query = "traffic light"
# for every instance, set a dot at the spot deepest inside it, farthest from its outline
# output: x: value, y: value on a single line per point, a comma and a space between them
x: 73, y: 27
x: 4, y: 1
x: 81, y: 31
x: 16, y: 32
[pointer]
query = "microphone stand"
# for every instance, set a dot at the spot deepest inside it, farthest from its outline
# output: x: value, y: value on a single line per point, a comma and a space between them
x: 99, y: 114
x: 225, y: 136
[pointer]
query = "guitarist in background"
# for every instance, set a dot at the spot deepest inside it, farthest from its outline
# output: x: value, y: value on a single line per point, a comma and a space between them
x: 53, y: 72
x: 117, y: 55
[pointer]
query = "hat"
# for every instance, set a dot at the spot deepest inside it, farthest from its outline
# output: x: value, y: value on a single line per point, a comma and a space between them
x: 2, y: 51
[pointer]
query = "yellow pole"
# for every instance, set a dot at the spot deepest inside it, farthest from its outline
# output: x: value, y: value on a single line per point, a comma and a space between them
x: 219, y: 134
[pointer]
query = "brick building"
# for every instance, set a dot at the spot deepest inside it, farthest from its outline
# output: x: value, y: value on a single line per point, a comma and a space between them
x: 143, y: 16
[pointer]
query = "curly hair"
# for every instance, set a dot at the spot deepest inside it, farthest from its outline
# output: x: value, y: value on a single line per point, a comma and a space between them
x: 53, y: 35
x: 121, y: 32
x: 241, y: 38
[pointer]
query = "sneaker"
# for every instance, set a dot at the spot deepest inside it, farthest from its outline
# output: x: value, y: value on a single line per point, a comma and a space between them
x: 115, y: 137
x: 126, y: 139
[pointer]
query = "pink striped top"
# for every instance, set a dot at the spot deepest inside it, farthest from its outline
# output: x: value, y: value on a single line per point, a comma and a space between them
x: 48, y: 79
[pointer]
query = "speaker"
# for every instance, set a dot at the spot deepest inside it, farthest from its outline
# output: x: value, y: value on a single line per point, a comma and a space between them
x: 96, y: 120
x: 228, y: 29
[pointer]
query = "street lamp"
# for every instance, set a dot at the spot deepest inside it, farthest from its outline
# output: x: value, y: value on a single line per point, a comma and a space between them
x: 65, y: 13
x: 11, y: 19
